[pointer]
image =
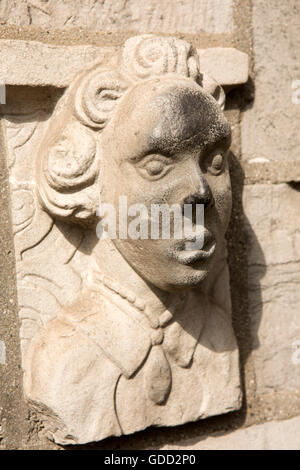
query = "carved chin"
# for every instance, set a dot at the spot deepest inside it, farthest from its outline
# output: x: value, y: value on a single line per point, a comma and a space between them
x: 179, y: 277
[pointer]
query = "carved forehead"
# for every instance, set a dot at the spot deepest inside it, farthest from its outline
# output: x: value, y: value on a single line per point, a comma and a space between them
x: 186, y: 115
x: 163, y: 114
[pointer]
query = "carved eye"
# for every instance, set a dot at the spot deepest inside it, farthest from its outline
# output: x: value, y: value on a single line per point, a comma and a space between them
x: 216, y: 164
x: 154, y: 167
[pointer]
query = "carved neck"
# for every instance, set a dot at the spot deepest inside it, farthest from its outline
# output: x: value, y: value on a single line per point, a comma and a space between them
x: 112, y: 264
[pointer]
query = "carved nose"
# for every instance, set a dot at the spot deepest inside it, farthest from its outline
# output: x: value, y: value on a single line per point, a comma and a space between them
x: 202, y: 196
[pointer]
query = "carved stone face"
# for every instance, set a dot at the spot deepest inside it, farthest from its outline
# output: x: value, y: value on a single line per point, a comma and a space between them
x: 167, y: 143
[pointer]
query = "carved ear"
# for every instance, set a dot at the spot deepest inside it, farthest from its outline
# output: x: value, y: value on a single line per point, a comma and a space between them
x: 96, y: 97
x: 213, y: 88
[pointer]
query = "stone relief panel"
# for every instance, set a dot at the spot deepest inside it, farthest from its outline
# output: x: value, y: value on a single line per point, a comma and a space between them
x: 121, y: 334
x: 45, y: 279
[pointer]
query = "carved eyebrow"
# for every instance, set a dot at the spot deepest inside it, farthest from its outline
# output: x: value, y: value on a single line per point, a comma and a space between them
x: 151, y: 151
x: 171, y: 147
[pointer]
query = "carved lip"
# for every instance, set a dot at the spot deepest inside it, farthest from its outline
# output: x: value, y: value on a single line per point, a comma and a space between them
x: 192, y: 256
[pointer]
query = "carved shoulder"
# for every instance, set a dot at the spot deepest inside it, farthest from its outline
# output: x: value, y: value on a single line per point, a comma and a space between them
x: 60, y: 381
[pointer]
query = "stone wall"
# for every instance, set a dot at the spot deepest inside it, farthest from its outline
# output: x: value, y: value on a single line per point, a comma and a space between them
x: 263, y: 238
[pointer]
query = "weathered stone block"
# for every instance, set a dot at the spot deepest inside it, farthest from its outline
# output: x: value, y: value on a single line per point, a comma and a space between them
x: 269, y: 127
x: 272, y: 224
x: 165, y: 16
x: 58, y: 65
x: 226, y: 65
x: 276, y: 435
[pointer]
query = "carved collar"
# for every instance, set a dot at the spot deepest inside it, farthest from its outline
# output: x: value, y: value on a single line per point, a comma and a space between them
x: 125, y: 330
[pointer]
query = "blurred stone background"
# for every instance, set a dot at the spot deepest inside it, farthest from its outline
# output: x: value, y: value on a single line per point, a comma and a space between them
x: 264, y: 233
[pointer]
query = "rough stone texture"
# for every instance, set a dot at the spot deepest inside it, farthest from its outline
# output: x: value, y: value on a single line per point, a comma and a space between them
x: 226, y: 65
x: 49, y: 65
x: 164, y: 16
x: 57, y: 65
x: 269, y: 126
x: 272, y: 224
x: 83, y: 37
x: 257, y: 171
x: 277, y: 435
x: 270, y: 154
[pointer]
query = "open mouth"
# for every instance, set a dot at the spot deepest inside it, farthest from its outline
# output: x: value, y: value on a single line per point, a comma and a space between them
x: 190, y: 256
